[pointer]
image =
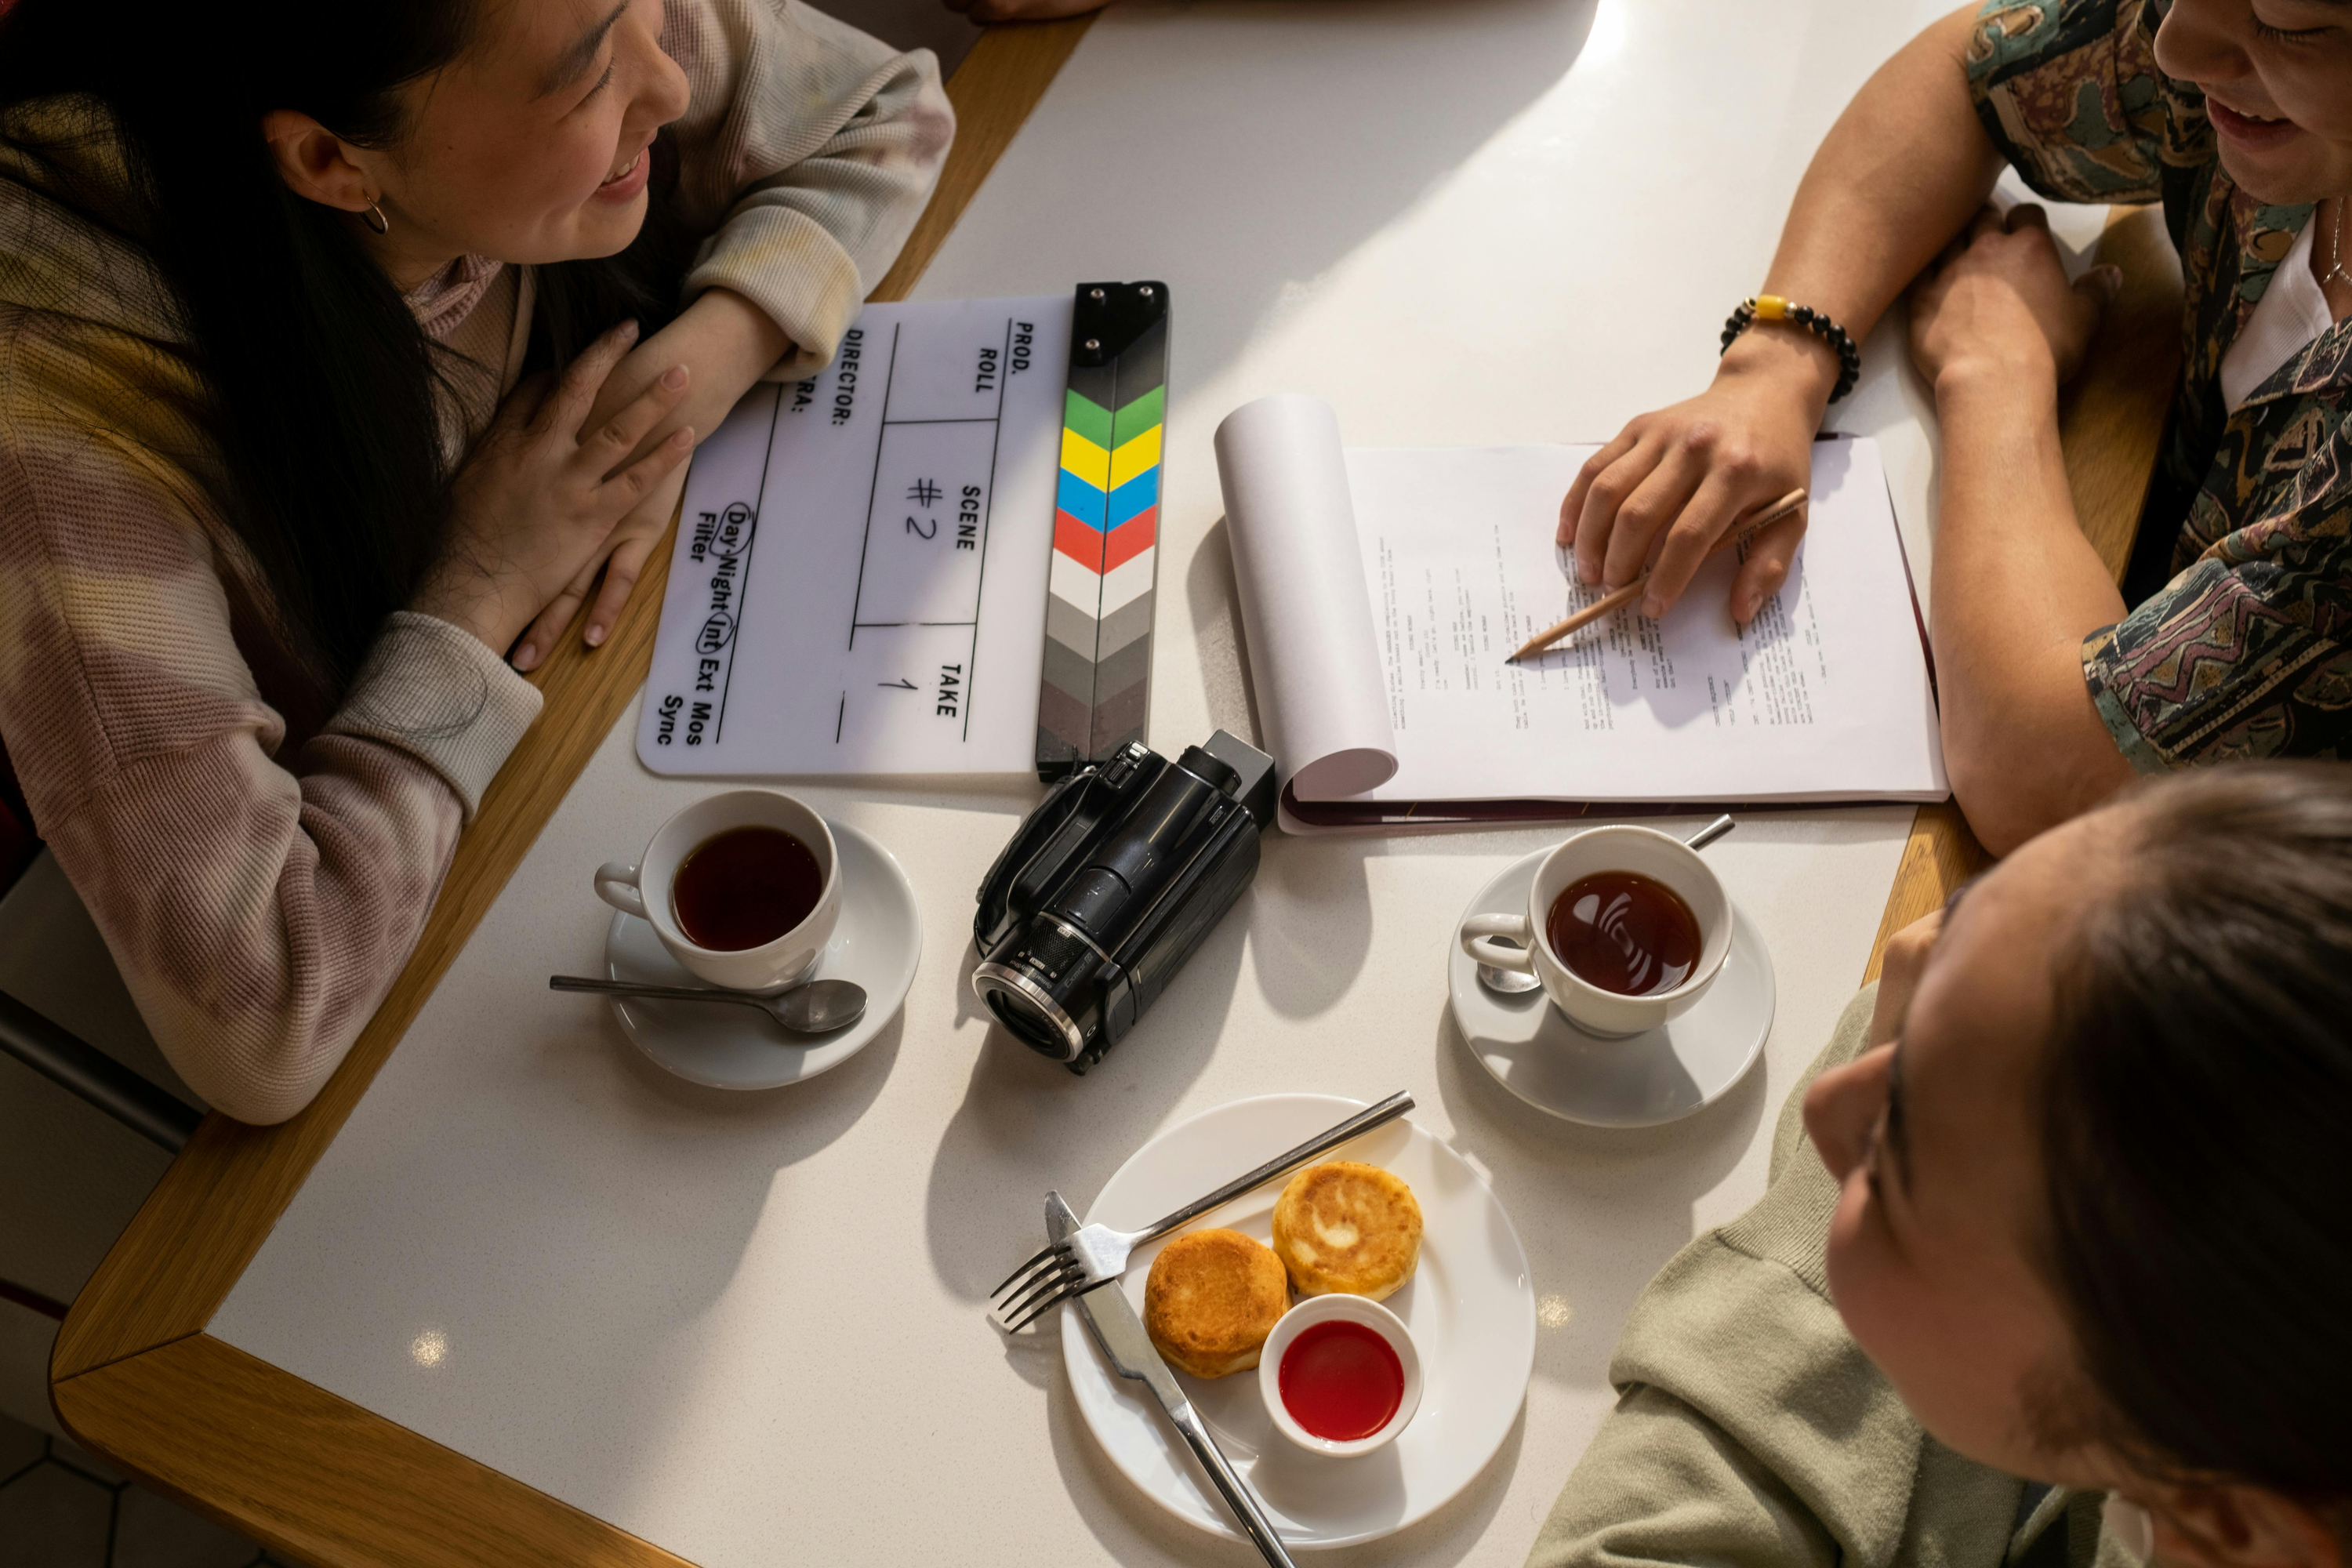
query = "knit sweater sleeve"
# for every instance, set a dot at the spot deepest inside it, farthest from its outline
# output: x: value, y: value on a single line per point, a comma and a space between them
x: 1750, y: 1427
x: 806, y: 151
x: 258, y: 905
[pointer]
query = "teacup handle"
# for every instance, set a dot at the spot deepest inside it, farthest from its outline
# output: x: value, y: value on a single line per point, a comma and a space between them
x: 1520, y: 960
x: 616, y: 884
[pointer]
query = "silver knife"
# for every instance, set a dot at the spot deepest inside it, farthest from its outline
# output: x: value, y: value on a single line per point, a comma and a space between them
x: 1111, y: 1319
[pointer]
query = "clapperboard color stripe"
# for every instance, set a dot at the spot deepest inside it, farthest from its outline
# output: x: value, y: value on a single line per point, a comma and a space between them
x: 1097, y: 674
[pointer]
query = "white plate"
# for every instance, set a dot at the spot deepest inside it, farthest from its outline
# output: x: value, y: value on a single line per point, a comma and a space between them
x: 876, y: 943
x: 1469, y: 1305
x: 1662, y: 1076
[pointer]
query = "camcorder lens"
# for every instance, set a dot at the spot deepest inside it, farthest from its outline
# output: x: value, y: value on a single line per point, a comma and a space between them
x: 1026, y: 1019
x: 1043, y: 991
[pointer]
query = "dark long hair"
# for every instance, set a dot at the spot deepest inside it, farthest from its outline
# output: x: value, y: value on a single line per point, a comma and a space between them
x: 321, y: 382
x: 2197, y: 1132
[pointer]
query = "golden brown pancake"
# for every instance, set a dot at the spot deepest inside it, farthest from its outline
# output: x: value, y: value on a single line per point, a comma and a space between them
x: 1211, y: 1298
x: 1346, y: 1229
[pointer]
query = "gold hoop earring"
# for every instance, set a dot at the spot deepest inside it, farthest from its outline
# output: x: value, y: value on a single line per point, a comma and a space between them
x: 373, y: 217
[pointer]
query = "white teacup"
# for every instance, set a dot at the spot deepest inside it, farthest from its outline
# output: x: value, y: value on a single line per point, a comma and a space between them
x: 643, y: 890
x: 1590, y: 1007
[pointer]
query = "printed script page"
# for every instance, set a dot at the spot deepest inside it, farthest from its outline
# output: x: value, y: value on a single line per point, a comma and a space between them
x: 1825, y: 695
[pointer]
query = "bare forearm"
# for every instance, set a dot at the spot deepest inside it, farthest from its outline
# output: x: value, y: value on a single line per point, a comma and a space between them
x: 725, y: 342
x: 1903, y: 171
x: 1898, y: 175
x: 2017, y: 587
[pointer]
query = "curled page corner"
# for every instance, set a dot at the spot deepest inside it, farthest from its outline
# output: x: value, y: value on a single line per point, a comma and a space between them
x: 1314, y: 657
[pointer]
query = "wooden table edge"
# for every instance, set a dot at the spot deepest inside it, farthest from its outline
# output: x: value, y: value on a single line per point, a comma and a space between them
x: 133, y: 1375
x: 313, y: 1475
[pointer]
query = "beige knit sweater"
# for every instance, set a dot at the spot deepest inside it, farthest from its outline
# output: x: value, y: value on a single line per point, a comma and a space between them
x: 261, y: 859
x: 1751, y: 1432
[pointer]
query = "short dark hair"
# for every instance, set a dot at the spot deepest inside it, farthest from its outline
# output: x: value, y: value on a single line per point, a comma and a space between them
x: 2197, y: 1131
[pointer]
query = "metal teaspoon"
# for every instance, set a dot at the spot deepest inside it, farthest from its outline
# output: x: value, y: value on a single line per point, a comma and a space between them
x: 812, y: 1007
x: 1511, y: 982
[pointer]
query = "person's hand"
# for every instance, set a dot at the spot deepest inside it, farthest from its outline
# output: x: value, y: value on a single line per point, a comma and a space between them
x: 535, y: 500
x: 1899, y: 968
x: 617, y: 563
x: 1668, y: 487
x: 730, y: 343
x: 1998, y: 301
x: 1023, y: 10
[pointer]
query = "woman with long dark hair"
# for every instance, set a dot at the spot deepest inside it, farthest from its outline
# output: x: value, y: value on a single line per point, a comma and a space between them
x: 344, y: 351
x: 2064, y: 1275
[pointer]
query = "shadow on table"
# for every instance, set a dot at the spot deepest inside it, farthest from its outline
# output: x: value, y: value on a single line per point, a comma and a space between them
x: 1219, y: 642
x: 793, y: 1120
x: 1266, y: 125
x: 719, y: 1153
x: 1311, y: 924
x: 1133, y: 1529
x: 1027, y: 1124
x: 1600, y: 1210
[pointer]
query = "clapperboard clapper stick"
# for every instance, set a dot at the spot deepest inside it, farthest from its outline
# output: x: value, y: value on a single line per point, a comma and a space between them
x: 1097, y: 673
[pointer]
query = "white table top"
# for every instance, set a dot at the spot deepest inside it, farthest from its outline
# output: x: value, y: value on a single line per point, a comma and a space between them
x: 750, y: 1328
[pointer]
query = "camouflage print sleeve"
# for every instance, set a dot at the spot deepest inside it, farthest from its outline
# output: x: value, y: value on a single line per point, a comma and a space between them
x: 2070, y: 92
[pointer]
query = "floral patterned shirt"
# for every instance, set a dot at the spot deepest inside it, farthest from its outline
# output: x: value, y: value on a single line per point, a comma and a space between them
x: 2247, y: 652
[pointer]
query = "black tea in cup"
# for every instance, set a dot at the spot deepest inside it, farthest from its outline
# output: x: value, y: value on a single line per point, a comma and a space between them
x: 1625, y: 932
x: 745, y: 887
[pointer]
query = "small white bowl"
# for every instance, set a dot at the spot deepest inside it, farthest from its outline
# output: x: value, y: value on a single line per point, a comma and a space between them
x: 1349, y: 1309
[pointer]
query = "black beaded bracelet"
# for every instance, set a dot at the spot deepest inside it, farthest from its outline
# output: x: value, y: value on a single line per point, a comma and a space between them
x: 1772, y: 307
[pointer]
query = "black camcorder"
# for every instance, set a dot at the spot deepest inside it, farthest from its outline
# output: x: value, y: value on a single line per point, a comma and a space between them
x: 1109, y: 885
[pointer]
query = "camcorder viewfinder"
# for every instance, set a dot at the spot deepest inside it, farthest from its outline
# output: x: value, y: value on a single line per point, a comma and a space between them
x: 1109, y: 885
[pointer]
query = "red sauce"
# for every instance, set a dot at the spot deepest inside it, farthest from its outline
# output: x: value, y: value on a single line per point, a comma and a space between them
x: 1340, y: 1381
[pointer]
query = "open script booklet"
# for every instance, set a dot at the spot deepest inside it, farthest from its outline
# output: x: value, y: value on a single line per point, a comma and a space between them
x: 1383, y: 589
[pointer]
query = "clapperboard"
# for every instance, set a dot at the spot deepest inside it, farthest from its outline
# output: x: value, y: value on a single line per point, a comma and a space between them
x: 937, y: 556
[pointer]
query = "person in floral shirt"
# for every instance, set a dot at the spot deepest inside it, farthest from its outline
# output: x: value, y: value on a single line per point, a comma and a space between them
x: 2229, y: 639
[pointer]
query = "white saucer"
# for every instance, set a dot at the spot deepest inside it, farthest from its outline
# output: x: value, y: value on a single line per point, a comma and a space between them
x: 1469, y: 1304
x: 876, y: 943
x: 1661, y: 1075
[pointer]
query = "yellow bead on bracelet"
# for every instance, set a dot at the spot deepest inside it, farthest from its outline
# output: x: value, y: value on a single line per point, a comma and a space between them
x: 1774, y: 308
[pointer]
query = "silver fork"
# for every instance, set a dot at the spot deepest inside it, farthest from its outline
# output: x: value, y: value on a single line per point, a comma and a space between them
x: 1097, y: 1253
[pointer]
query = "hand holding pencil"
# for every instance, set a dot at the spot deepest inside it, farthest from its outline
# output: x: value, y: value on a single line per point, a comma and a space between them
x: 1742, y: 529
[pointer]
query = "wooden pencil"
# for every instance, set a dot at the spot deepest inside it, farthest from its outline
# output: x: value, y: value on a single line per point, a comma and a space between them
x: 1617, y: 599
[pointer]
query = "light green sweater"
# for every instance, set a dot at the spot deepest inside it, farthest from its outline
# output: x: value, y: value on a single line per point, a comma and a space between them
x: 1751, y: 1429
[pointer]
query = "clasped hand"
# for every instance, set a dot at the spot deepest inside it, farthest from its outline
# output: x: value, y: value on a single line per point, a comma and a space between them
x: 1997, y: 302
x: 536, y: 499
